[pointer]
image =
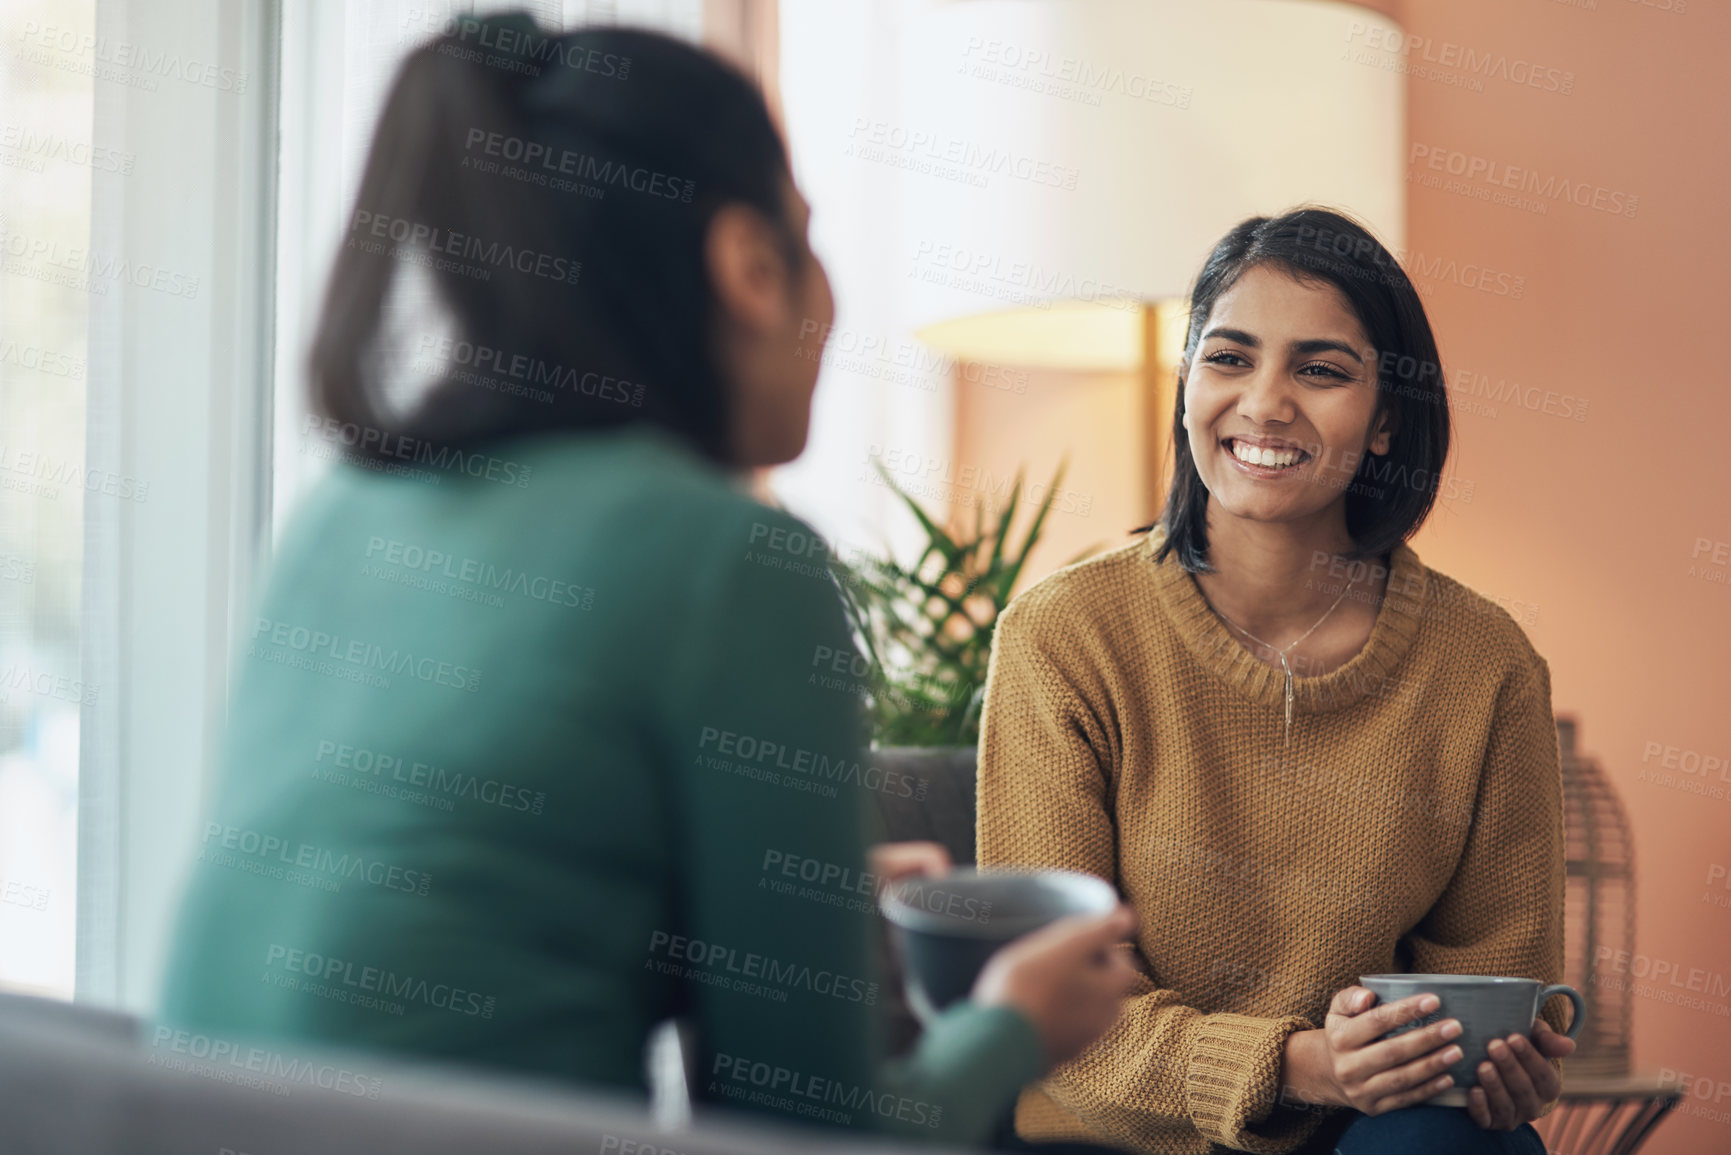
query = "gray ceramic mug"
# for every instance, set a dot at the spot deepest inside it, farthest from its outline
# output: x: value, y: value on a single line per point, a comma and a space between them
x: 1487, y: 1007
x: 947, y: 927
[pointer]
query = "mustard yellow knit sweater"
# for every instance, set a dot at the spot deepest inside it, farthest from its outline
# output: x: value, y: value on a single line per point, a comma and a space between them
x: 1415, y: 824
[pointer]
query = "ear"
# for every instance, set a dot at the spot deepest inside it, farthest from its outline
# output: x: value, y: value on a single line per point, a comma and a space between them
x: 1379, y: 440
x: 746, y: 268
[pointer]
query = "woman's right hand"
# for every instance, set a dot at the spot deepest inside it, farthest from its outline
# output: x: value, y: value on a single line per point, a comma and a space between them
x: 1349, y: 1064
x: 1068, y: 978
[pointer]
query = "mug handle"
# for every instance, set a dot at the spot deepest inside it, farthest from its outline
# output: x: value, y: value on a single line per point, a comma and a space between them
x: 1579, y: 1018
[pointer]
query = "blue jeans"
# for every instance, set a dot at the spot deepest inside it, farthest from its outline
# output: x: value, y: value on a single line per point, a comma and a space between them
x: 1426, y: 1130
x: 1412, y: 1131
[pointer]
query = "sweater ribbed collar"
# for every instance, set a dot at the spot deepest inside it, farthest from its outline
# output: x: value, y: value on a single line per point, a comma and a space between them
x: 1371, y: 671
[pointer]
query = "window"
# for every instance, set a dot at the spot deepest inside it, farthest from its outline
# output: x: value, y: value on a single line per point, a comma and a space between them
x: 47, y: 284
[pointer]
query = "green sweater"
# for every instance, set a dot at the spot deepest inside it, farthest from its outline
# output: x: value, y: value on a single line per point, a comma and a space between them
x: 524, y: 757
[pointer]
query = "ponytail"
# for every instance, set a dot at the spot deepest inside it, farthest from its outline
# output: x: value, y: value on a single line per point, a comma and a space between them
x: 554, y: 191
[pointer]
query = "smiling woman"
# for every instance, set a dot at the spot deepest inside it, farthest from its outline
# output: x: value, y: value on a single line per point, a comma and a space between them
x: 1282, y: 288
x: 1399, y: 806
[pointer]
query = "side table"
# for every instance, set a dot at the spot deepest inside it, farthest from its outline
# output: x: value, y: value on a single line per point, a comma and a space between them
x: 1606, y: 1116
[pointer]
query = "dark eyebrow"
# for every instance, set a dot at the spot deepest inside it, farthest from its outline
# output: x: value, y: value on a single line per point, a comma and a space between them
x: 1315, y: 345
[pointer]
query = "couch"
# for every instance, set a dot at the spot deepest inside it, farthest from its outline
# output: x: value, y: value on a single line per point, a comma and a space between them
x: 78, y: 1080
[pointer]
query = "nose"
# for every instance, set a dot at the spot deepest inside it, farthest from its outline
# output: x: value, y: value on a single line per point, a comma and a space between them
x: 1266, y: 398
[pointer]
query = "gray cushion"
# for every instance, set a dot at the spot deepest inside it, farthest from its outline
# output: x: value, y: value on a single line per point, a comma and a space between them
x: 946, y: 813
x: 77, y: 1080
x: 70, y: 1084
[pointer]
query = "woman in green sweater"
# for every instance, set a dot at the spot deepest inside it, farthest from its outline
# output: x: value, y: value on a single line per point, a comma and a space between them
x: 523, y: 752
x: 1300, y: 754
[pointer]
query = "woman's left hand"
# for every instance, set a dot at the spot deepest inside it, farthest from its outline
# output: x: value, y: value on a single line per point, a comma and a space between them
x: 893, y: 861
x: 1518, y: 1081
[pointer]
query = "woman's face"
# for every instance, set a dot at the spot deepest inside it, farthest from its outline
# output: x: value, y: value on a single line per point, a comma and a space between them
x: 813, y: 314
x: 1286, y: 376
x: 776, y: 319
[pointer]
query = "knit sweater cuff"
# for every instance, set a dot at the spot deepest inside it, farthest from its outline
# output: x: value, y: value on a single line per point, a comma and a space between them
x: 1234, y: 1078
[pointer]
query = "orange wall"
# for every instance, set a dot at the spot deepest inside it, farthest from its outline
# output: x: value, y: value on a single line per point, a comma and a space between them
x: 1590, y: 525
x: 1595, y: 521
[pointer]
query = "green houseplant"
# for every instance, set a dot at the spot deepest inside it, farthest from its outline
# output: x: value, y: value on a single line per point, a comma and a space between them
x: 925, y: 632
x: 925, y: 629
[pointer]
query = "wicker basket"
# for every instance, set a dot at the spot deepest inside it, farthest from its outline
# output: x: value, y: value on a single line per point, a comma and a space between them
x: 1599, y: 906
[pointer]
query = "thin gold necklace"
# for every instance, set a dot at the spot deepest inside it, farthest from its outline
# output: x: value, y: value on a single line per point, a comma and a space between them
x: 1281, y: 654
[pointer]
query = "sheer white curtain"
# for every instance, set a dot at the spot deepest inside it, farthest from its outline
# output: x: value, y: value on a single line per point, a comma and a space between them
x: 178, y: 346
x: 338, y: 58
x: 46, y: 169
x: 878, y: 391
x: 198, y: 263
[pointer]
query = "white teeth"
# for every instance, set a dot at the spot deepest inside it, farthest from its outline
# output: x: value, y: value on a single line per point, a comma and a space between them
x: 1261, y: 455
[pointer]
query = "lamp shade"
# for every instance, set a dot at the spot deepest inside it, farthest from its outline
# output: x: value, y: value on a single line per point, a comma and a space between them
x: 1093, y: 151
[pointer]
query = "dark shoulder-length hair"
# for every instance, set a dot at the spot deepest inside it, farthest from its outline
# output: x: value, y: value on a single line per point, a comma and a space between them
x: 553, y: 191
x: 1391, y: 494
